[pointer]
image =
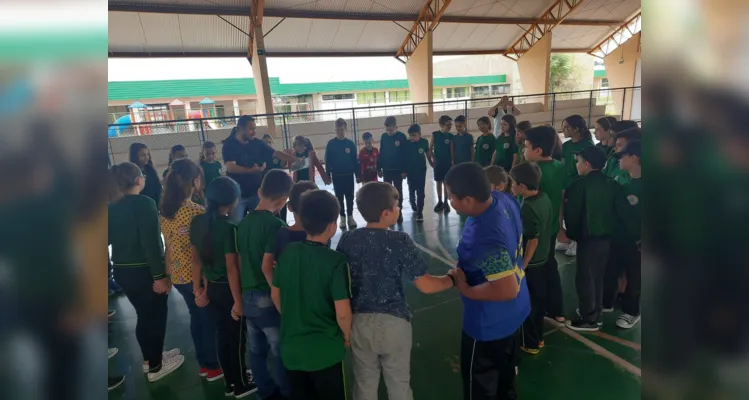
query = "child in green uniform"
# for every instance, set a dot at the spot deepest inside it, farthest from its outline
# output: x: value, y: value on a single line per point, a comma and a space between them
x: 311, y: 286
x: 539, y: 146
x: 342, y: 165
x: 444, y: 157
x: 603, y: 135
x: 211, y: 166
x: 138, y: 258
x: 256, y: 240
x: 141, y: 156
x: 177, y: 152
x: 505, y: 148
x: 574, y: 128
x: 484, y: 143
x: 622, y: 137
x: 537, y: 215
x: 390, y: 160
x: 625, y: 245
x: 462, y: 141
x: 417, y: 152
x: 214, y: 237
x: 589, y: 217
x: 522, y: 127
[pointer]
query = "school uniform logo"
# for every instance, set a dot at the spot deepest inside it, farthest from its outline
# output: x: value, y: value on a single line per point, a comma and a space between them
x: 421, y: 151
x: 397, y: 143
x: 633, y: 200
x: 447, y: 141
x: 485, y: 146
x: 348, y: 151
x: 275, y: 161
x: 507, y: 145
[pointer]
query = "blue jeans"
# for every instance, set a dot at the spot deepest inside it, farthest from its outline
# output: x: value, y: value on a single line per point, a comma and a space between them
x: 245, y: 205
x: 264, y: 332
x: 202, y: 329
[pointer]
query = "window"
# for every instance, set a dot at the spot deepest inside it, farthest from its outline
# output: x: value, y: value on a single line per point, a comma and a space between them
x: 158, y: 112
x: 370, y: 98
x: 399, y: 96
x: 500, y: 89
x: 457, y: 92
x: 339, y: 96
x: 480, y: 91
x: 437, y: 95
x: 220, y: 112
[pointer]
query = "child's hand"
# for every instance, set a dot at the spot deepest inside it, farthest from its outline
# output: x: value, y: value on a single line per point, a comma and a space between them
x: 236, y: 311
x: 458, y: 274
x: 346, y: 343
x: 201, y: 297
x: 326, y: 179
x: 562, y: 236
x: 162, y: 286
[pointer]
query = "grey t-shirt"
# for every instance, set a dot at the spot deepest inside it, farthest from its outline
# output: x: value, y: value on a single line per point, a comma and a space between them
x: 379, y: 261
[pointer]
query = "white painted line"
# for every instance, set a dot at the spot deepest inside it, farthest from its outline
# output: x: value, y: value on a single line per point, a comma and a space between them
x: 447, y: 262
x: 435, y: 305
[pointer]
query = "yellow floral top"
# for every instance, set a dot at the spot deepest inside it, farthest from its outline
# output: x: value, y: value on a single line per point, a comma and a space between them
x: 177, y: 241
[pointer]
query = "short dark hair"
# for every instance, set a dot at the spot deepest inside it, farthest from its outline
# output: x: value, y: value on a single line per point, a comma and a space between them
x: 578, y: 122
x: 244, y: 120
x: 468, y: 180
x: 527, y: 173
x: 317, y: 210
x: 296, y: 193
x: 484, y: 120
x: 544, y: 137
x: 606, y: 122
x: 276, y: 184
x: 621, y: 126
x: 341, y: 122
x: 390, y: 121
x: 461, y: 119
x: 375, y: 197
x: 367, y: 136
x: 415, y: 128
x: 445, y: 119
x: 524, y: 126
x: 496, y: 175
x: 630, y: 134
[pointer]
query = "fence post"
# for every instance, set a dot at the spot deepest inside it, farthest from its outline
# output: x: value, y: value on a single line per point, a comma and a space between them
x: 624, y: 101
x: 465, y: 108
x: 285, y: 130
x: 553, y: 108
x: 590, y: 107
x: 202, y: 131
x: 356, y: 134
x: 413, y: 113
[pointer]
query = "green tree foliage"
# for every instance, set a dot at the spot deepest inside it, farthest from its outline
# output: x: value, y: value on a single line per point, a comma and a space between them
x: 562, y: 75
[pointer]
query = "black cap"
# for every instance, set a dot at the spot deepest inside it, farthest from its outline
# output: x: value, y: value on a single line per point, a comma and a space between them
x: 632, y: 148
x: 593, y: 155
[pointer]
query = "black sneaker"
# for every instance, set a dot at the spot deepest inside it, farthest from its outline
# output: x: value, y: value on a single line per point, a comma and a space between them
x: 413, y: 206
x: 115, y: 382
x: 229, y: 390
x: 240, y: 393
x: 445, y: 208
x: 419, y: 217
x: 438, y: 207
x: 582, y: 325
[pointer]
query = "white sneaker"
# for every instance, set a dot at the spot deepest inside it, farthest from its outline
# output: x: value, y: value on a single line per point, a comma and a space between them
x: 571, y: 250
x: 111, y: 352
x: 342, y: 224
x: 351, y: 222
x: 167, y: 354
x: 168, y: 365
x: 627, y: 321
x: 561, y: 246
x: 607, y: 310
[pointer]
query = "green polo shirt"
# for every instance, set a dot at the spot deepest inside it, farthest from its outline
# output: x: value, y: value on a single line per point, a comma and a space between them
x: 536, y: 213
x: 256, y: 236
x: 569, y: 149
x: 484, y: 149
x: 504, y: 148
x: 442, y: 142
x: 223, y: 241
x: 553, y: 179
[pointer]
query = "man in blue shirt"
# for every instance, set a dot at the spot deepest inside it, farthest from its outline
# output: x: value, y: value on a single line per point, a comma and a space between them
x: 490, y: 278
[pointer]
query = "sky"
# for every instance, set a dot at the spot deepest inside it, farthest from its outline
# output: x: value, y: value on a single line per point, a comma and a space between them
x: 288, y: 70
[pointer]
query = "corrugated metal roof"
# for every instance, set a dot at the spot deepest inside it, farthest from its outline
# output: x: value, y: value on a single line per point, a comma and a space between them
x: 498, y: 8
x: 578, y: 37
x: 618, y: 10
x: 167, y: 89
x: 348, y: 6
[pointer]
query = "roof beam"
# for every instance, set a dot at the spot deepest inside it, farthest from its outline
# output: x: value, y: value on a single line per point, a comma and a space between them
x: 305, y: 54
x: 428, y: 19
x: 618, y: 37
x: 256, y: 19
x: 554, y: 16
x: 290, y: 13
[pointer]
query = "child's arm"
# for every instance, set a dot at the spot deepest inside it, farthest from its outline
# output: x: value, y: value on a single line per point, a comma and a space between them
x: 414, y: 268
x: 473, y: 150
x: 452, y: 153
x: 343, y: 316
x: 431, y: 149
x: 500, y: 273
x: 197, y: 272
x: 429, y: 284
x: 318, y: 165
x: 235, y: 284
x: 328, y: 157
x: 530, y: 250
x: 355, y: 160
x: 149, y: 231
x: 275, y: 295
x: 494, y: 154
x: 269, y: 261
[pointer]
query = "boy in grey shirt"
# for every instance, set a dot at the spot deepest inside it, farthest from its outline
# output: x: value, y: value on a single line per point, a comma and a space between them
x: 379, y: 260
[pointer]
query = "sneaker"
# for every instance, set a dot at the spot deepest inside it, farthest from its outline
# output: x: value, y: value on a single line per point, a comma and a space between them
x: 529, y: 350
x: 583, y: 325
x: 446, y: 208
x: 242, y: 393
x: 214, y: 374
x: 167, y: 354
x: 541, y: 344
x: 115, y: 382
x: 168, y: 365
x: 229, y: 391
x: 111, y: 313
x: 438, y: 207
x: 203, y: 372
x: 342, y: 224
x: 560, y: 320
x: 419, y: 217
x: 599, y: 322
x: 111, y: 352
x: 627, y: 321
x: 561, y: 246
x: 571, y: 250
x: 351, y: 222
x: 607, y: 310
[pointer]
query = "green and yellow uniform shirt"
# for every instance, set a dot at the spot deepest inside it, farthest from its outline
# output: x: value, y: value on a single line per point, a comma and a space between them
x: 177, y: 240
x: 553, y: 179
x: 224, y: 241
x: 627, y: 206
x: 211, y: 171
x: 589, y: 206
x: 442, y: 143
x: 536, y: 213
x: 504, y: 150
x: 614, y: 171
x: 135, y: 235
x: 462, y: 145
x: 569, y: 149
x: 484, y: 149
x: 256, y: 236
x: 311, y: 277
x: 416, y: 153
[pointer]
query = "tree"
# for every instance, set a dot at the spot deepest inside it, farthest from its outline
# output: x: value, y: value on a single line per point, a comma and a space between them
x: 562, y: 74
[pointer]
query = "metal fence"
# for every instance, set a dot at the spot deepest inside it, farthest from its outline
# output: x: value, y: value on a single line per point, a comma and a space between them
x: 318, y: 125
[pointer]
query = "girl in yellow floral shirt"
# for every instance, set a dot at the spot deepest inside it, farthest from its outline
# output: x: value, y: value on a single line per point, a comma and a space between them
x: 177, y: 211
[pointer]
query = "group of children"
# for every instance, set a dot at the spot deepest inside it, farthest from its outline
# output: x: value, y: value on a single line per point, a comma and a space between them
x: 306, y: 303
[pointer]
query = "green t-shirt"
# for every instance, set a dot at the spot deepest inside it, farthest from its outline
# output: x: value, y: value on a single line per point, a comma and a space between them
x: 553, y: 179
x: 442, y: 143
x: 224, y: 241
x: 536, y: 213
x: 569, y: 149
x: 416, y: 153
x: 614, y: 171
x: 485, y: 149
x: 462, y: 145
x: 256, y: 236
x: 211, y: 171
x: 627, y: 206
x: 311, y: 278
x: 589, y: 206
x: 504, y: 148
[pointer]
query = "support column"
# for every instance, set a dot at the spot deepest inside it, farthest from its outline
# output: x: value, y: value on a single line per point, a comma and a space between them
x: 420, y: 78
x: 623, y: 74
x: 264, y: 103
x: 534, y: 68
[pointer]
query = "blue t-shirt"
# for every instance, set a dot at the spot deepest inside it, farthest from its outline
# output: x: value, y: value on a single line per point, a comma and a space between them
x: 491, y: 249
x: 379, y: 261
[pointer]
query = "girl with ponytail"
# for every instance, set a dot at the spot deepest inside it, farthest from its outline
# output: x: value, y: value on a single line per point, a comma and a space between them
x: 603, y: 126
x: 216, y: 283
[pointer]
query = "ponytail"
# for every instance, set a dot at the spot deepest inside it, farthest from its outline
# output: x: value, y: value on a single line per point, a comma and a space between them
x: 122, y: 177
x: 221, y: 192
x: 578, y: 122
x: 178, y: 186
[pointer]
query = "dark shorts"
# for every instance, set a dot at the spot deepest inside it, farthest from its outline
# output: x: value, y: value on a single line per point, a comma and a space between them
x: 440, y: 170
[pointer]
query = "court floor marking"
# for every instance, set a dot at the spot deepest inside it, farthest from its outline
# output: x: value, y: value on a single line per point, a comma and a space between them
x: 623, y: 342
x: 447, y: 262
